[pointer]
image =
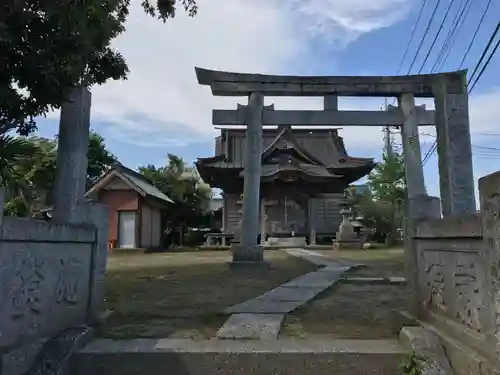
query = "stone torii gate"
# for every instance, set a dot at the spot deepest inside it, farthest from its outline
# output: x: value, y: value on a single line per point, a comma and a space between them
x: 451, y: 118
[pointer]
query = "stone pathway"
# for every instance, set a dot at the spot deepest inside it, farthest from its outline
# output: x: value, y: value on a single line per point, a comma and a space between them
x: 321, y: 260
x: 261, y: 317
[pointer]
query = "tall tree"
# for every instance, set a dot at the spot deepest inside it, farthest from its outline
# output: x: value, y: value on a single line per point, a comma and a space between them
x: 13, y: 152
x: 383, y: 204
x: 185, y: 187
x: 47, y: 47
x: 100, y: 159
x: 36, y: 172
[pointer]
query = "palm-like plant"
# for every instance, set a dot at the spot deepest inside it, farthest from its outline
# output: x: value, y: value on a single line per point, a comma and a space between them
x: 13, y: 152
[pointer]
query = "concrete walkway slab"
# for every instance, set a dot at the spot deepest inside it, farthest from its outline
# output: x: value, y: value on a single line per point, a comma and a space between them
x: 251, y: 326
x: 313, y: 257
x: 322, y: 260
x: 261, y: 305
x: 261, y: 317
x: 334, y: 269
x: 315, y: 280
x: 292, y: 294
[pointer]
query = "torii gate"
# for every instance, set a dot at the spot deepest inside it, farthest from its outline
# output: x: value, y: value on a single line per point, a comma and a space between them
x: 451, y: 118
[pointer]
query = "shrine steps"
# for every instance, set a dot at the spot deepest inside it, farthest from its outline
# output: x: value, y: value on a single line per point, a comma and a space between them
x: 239, y: 357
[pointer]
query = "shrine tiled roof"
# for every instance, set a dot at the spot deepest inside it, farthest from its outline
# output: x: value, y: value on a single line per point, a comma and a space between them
x: 308, y: 169
x: 347, y: 162
x: 286, y: 135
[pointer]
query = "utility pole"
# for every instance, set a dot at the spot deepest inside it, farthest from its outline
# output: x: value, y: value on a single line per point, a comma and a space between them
x: 387, y: 135
x: 387, y: 139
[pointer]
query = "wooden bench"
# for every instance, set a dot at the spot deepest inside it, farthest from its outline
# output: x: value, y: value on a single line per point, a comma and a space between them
x: 210, y: 239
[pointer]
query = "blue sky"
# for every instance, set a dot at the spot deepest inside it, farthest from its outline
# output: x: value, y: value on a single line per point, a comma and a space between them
x: 161, y: 109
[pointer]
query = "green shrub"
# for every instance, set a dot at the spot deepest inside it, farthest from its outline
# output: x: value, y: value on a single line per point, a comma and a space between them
x: 16, y: 207
x: 411, y: 364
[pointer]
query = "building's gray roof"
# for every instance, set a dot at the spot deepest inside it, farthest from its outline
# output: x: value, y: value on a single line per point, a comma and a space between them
x: 148, y: 188
x: 325, y: 147
x: 143, y: 184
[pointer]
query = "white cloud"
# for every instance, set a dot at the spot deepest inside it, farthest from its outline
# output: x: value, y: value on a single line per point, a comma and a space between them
x: 162, y: 103
x: 162, y: 97
x: 343, y: 21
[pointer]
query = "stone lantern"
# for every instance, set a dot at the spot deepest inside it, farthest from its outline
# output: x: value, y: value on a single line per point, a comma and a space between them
x: 346, y: 237
x: 346, y: 230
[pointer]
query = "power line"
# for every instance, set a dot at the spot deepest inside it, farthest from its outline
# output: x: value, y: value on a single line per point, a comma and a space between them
x: 445, y: 42
x: 455, y: 26
x: 490, y: 154
x: 443, y: 55
x: 436, y: 36
x: 475, y: 34
x: 483, y: 55
x: 488, y: 134
x: 484, y: 51
x: 486, y: 148
x: 412, y: 36
x: 483, y: 147
x: 461, y: 21
x: 423, y: 36
x: 414, y: 29
x: 433, y: 148
x: 485, y: 65
x: 429, y: 153
x: 451, y: 32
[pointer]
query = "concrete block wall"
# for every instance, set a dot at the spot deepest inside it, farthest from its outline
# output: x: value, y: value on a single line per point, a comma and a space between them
x: 458, y: 278
x: 47, y: 284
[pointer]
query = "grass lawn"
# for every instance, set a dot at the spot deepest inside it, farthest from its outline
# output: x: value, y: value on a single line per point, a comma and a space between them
x: 351, y: 311
x: 182, y: 294
x: 379, y: 262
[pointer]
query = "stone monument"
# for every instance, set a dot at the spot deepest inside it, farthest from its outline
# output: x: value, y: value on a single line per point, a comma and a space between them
x: 346, y: 237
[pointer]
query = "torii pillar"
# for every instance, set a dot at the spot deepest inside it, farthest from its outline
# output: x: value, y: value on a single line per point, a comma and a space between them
x: 249, y: 251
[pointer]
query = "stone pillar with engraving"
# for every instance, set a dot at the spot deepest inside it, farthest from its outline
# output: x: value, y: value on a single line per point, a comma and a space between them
x: 489, y: 197
x: 456, y: 180
x: 414, y: 171
x: 425, y: 207
x: 70, y: 187
x: 248, y: 250
x: 71, y: 172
